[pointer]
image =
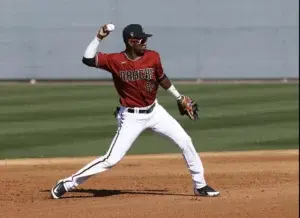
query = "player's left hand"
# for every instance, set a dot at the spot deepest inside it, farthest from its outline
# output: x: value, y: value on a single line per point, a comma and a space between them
x: 188, y: 106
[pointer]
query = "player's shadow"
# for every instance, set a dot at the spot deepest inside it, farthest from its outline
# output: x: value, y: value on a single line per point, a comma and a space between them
x: 107, y: 193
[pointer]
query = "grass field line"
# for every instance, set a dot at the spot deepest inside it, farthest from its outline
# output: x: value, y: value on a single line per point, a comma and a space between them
x: 84, y: 160
x: 97, y: 93
x: 181, y: 81
x: 53, y: 124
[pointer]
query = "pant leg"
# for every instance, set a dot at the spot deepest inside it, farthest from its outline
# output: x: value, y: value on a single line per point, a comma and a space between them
x: 165, y: 124
x: 129, y: 129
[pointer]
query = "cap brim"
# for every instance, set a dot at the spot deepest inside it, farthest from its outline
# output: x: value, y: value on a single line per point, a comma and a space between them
x: 148, y: 35
x: 144, y: 35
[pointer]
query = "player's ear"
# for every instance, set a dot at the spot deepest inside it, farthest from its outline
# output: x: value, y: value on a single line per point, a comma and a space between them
x: 129, y: 43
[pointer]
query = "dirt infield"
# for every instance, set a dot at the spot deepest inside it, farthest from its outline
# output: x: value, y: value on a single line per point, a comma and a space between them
x: 252, y: 184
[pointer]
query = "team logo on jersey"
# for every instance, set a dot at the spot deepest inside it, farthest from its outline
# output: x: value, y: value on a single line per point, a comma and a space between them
x: 134, y: 75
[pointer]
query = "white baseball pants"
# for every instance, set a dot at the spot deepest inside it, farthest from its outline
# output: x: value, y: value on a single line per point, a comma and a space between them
x: 130, y: 126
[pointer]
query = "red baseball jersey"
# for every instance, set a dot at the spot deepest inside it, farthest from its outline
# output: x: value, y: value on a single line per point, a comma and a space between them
x: 136, y: 81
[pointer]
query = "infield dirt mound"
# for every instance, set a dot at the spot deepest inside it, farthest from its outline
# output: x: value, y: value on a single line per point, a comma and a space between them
x: 252, y: 184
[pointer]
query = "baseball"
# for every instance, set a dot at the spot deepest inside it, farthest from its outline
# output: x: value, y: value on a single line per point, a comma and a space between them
x: 110, y: 27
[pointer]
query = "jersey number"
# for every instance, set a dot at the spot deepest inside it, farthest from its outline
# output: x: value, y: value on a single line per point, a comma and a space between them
x: 149, y: 86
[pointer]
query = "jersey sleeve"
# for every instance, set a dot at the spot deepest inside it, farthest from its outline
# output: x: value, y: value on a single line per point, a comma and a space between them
x: 159, y: 71
x: 104, y: 61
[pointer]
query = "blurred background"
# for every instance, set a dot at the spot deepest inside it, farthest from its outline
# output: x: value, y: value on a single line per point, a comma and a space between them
x: 197, y: 39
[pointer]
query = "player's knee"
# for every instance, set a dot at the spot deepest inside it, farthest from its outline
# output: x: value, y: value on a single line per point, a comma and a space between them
x: 110, y: 162
x: 185, y: 140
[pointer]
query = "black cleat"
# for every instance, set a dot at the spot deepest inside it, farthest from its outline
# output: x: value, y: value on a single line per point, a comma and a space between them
x: 58, y: 190
x: 206, y: 191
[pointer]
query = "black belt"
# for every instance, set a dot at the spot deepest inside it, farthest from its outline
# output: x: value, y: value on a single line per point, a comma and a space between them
x: 131, y: 110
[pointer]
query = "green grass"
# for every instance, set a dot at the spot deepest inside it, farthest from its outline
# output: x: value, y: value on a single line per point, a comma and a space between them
x: 69, y: 120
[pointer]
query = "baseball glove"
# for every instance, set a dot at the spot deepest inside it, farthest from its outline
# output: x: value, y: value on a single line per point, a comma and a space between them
x: 188, y: 107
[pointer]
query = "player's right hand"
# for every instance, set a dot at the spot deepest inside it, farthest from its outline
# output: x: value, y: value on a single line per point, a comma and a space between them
x: 105, y: 30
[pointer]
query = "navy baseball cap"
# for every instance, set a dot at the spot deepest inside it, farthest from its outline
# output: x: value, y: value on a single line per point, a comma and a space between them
x: 134, y: 31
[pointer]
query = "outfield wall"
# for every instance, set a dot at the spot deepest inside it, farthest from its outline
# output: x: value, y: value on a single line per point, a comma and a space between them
x: 196, y: 38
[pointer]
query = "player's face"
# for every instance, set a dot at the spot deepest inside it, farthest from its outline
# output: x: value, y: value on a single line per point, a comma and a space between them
x: 139, y: 45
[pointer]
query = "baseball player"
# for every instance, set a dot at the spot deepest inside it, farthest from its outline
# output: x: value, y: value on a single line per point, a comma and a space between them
x: 137, y: 74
